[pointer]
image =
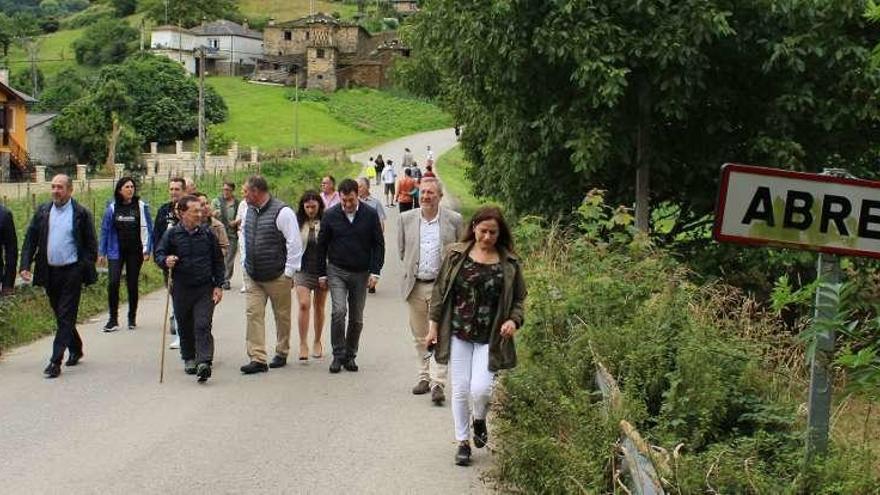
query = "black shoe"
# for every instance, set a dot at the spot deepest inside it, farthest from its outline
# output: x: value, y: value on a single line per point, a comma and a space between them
x: 371, y: 290
x: 189, y: 366
x: 350, y: 365
x: 132, y: 323
x: 463, y: 456
x: 111, y: 326
x: 74, y: 358
x: 226, y: 285
x: 481, y: 434
x: 336, y: 365
x: 278, y: 362
x: 437, y: 395
x: 254, y: 367
x: 52, y: 371
x: 421, y: 388
x: 204, y: 372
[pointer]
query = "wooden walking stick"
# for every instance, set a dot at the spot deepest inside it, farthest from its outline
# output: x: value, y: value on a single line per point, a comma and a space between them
x: 165, y: 325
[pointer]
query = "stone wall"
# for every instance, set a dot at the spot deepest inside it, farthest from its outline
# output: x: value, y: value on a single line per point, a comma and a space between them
x: 368, y: 75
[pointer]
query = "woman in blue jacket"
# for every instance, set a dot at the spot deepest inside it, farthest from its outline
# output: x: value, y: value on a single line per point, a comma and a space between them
x: 126, y: 240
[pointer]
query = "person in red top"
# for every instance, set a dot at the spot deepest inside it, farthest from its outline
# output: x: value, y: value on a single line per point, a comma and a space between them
x: 405, y: 187
x: 429, y: 172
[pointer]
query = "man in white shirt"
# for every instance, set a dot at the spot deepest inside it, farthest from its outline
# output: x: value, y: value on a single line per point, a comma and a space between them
x: 272, y: 253
x: 422, y: 234
x: 389, y: 177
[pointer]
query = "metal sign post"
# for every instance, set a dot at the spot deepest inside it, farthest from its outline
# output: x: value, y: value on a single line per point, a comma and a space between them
x: 821, y: 380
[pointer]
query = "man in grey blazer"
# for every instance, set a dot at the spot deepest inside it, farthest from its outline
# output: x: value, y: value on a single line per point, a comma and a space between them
x: 422, y: 233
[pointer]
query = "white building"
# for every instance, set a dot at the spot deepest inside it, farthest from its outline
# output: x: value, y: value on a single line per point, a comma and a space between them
x: 233, y: 49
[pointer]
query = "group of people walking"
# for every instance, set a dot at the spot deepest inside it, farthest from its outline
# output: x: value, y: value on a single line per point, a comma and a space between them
x: 462, y: 282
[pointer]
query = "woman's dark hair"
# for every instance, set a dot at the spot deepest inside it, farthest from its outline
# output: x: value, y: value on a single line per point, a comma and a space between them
x: 505, y: 240
x: 407, y: 172
x: 121, y: 182
x: 301, y: 216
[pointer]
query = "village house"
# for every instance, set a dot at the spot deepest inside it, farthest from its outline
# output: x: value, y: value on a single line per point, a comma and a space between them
x: 322, y: 52
x: 14, y: 159
x: 232, y: 49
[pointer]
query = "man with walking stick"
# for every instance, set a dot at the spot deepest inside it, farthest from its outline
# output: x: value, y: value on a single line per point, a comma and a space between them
x: 191, y: 253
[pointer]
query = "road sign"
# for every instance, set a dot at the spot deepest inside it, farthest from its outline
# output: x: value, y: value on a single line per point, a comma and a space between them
x: 768, y: 206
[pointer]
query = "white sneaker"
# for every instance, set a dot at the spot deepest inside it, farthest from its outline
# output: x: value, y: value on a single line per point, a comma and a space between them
x: 175, y: 344
x: 243, y: 289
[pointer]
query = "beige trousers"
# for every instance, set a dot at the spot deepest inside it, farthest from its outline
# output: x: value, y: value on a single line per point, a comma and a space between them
x: 278, y: 292
x: 419, y: 300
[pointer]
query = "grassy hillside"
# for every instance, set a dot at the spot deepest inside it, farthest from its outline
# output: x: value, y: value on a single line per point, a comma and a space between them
x: 261, y: 116
x: 286, y: 10
x: 264, y: 116
x: 55, y: 53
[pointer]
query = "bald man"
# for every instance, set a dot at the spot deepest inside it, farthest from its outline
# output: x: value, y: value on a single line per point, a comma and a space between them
x: 61, y: 242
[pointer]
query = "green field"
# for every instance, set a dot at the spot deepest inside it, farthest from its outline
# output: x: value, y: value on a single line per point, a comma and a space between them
x: 288, y: 10
x: 55, y: 53
x: 263, y: 116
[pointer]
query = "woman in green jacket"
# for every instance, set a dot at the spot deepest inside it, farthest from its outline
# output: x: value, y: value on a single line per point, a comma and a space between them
x: 476, y: 308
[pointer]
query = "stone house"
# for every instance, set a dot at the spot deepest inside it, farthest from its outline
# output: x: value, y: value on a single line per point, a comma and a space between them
x: 14, y: 159
x: 232, y: 49
x: 322, y: 52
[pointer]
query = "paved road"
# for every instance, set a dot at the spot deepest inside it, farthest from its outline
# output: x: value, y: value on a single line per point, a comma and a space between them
x: 107, y: 426
x: 440, y: 141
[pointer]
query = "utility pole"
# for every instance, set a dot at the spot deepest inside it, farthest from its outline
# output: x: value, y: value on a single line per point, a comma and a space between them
x: 296, y: 114
x: 202, y: 140
x: 32, y: 55
x: 142, y: 35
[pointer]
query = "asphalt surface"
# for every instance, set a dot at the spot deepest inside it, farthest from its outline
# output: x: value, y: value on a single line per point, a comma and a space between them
x: 108, y: 426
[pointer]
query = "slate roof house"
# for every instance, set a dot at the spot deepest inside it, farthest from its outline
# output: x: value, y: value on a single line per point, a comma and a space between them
x: 232, y: 49
x: 322, y: 52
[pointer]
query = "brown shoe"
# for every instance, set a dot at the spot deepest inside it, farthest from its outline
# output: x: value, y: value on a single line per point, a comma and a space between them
x: 421, y: 388
x: 437, y: 395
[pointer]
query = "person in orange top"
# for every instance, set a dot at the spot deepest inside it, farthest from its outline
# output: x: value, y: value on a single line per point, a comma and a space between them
x: 406, y: 185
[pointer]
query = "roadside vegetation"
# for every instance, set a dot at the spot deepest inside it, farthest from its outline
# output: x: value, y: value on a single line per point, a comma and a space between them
x: 452, y: 168
x: 26, y: 315
x: 707, y: 374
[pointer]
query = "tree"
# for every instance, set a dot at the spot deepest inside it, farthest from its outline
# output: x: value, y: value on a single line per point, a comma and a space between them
x: 124, y: 7
x: 189, y: 12
x: 66, y: 87
x: 559, y: 97
x: 23, y: 80
x: 146, y: 98
x: 106, y: 42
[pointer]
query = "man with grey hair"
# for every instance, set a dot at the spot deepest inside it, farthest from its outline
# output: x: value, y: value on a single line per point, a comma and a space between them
x: 371, y: 201
x: 61, y: 242
x: 272, y: 253
x: 422, y: 235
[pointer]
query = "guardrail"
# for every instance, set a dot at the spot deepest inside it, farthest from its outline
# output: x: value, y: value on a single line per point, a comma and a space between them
x: 637, y: 460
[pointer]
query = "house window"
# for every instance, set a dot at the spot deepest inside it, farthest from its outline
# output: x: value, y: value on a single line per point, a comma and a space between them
x: 288, y: 36
x: 307, y: 35
x: 214, y: 43
x: 320, y: 77
x: 320, y: 53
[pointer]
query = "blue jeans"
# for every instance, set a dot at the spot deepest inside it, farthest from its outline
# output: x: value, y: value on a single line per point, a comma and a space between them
x: 348, y: 293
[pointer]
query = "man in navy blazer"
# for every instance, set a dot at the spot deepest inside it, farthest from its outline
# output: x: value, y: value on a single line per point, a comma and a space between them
x: 351, y: 252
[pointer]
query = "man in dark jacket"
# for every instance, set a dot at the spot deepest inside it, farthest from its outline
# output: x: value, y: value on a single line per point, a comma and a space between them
x: 351, y: 252
x: 8, y: 252
x: 61, y: 241
x: 191, y: 253
x: 166, y: 218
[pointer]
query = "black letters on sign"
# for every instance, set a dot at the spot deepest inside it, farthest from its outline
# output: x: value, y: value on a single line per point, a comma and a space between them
x: 760, y: 208
x: 838, y: 215
x: 802, y: 209
x: 866, y: 218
